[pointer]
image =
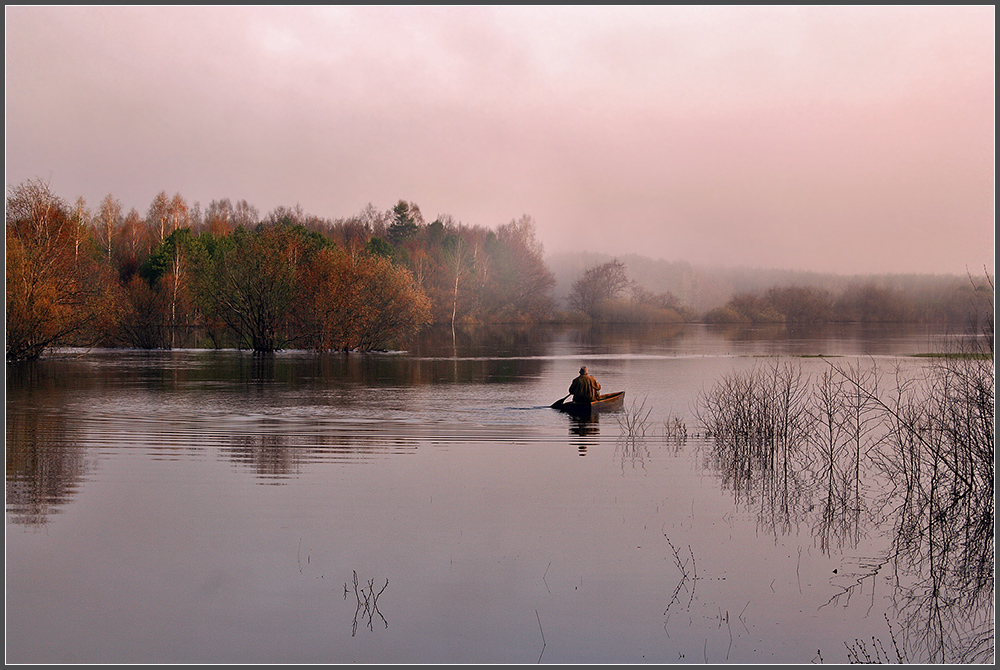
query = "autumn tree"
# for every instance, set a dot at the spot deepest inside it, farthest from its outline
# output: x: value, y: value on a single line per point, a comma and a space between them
x: 81, y: 222
x: 141, y: 316
x: 390, y: 305
x: 169, y: 272
x: 375, y: 220
x: 598, y: 286
x: 452, y: 265
x: 222, y: 217
x: 178, y: 213
x: 442, y: 258
x: 245, y: 214
x: 132, y: 245
x: 520, y: 284
x: 745, y: 307
x: 107, y: 224
x: 646, y: 306
x: 801, y: 304
x: 54, y: 288
x: 285, y: 216
x: 755, y: 308
x: 158, y: 215
x: 358, y: 303
x: 250, y: 281
x: 351, y: 234
x: 870, y: 303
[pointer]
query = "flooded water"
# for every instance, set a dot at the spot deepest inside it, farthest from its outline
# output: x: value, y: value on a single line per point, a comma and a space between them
x: 424, y: 507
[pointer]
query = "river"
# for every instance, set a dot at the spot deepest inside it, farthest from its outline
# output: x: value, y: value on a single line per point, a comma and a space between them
x: 427, y: 506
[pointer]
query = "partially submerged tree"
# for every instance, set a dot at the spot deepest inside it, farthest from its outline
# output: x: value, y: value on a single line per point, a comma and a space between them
x: 54, y: 287
x: 249, y: 283
x: 357, y: 303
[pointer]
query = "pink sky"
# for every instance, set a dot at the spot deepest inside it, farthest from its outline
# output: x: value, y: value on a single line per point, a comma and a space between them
x: 843, y: 139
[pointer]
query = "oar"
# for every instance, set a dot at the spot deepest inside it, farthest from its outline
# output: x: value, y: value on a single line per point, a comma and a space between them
x: 559, y: 402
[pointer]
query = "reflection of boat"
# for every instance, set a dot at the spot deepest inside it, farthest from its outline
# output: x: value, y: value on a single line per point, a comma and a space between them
x: 606, y: 403
x: 588, y: 425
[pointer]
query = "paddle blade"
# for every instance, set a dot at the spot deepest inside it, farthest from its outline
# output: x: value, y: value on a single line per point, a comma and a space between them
x: 558, y: 403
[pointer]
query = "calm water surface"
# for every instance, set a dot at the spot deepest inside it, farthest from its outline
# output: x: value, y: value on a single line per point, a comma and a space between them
x: 420, y: 506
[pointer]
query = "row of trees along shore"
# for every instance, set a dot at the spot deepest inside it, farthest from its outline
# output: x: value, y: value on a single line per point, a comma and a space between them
x: 225, y: 274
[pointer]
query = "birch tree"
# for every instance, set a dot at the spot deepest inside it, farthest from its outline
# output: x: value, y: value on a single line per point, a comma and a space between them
x: 109, y: 221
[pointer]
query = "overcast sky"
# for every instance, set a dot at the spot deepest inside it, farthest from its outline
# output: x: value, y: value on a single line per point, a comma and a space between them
x: 844, y: 139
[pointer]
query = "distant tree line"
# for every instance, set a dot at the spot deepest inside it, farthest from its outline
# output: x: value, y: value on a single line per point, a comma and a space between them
x: 605, y: 293
x: 968, y: 304
x: 183, y: 275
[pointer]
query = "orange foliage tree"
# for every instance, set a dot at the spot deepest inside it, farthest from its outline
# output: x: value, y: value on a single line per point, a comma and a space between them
x: 55, y: 288
x: 357, y: 302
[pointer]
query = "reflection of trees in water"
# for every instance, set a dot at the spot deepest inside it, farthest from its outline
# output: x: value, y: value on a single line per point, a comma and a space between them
x: 636, y: 432
x: 876, y: 652
x: 374, y: 370
x: 843, y: 431
x: 277, y: 454
x: 687, y: 583
x: 803, y: 338
x: 938, y: 450
x: 840, y: 450
x: 268, y: 455
x: 941, y: 437
x: 633, y: 430
x: 367, y: 599
x: 633, y: 338
x: 632, y: 450
x: 490, y: 340
x: 40, y: 478
x: 512, y: 339
x: 758, y: 423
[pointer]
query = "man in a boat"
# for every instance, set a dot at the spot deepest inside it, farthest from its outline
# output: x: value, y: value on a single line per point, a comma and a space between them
x: 585, y: 388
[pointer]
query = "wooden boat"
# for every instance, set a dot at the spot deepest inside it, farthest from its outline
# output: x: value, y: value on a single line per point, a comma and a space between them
x: 606, y: 403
